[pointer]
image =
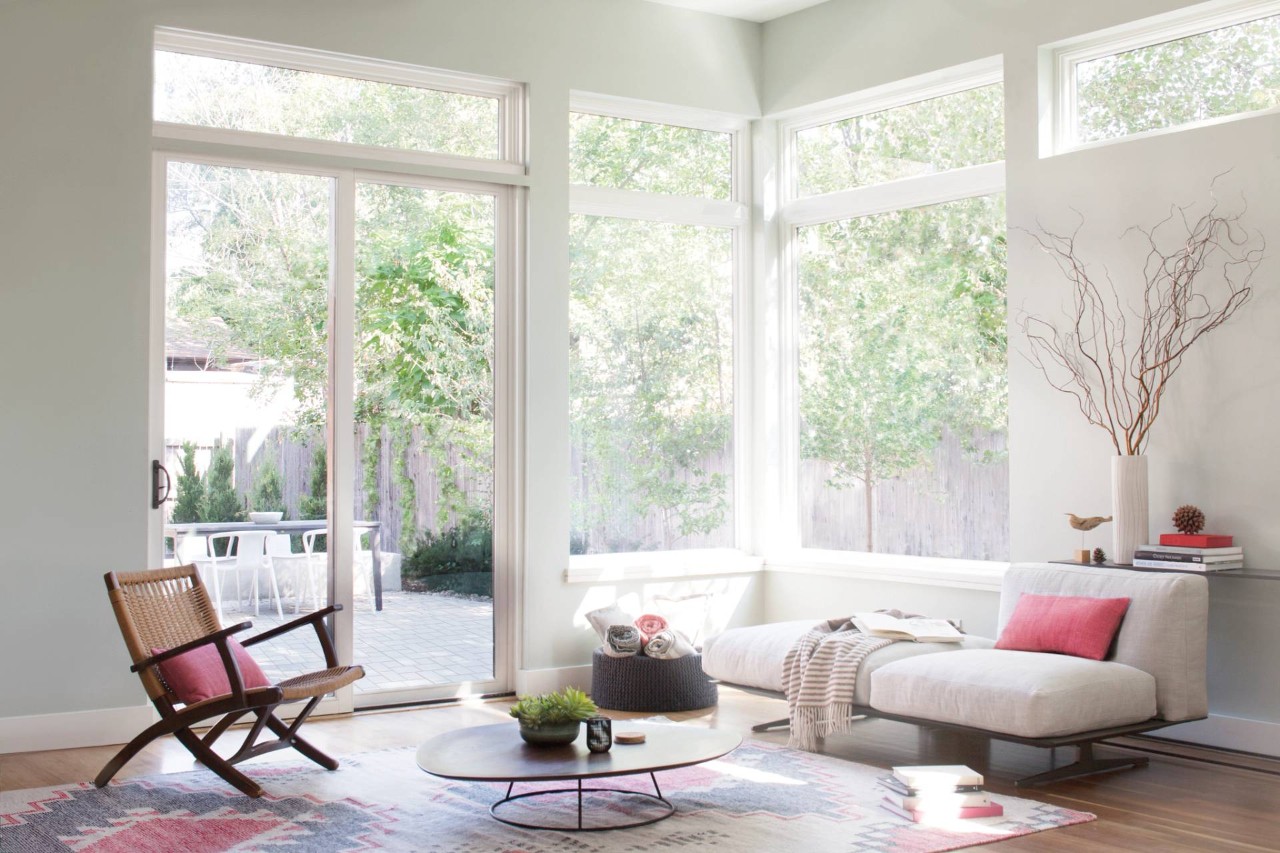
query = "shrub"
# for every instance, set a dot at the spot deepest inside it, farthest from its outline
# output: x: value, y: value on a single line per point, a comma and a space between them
x: 187, y: 507
x: 457, y: 560
x: 267, y: 494
x: 221, y: 501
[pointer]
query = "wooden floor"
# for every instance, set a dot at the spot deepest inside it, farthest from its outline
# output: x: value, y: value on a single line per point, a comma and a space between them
x: 1178, y: 803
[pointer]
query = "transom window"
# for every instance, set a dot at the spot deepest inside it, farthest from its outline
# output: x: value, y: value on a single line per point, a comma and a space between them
x: 247, y: 86
x: 1209, y: 63
x: 922, y: 138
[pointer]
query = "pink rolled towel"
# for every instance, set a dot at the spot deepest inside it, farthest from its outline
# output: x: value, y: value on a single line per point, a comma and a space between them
x: 649, y: 624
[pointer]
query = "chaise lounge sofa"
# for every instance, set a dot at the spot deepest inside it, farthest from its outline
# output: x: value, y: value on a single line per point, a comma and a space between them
x: 1153, y: 677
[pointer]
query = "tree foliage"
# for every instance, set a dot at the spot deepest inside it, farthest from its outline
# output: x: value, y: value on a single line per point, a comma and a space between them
x: 648, y: 157
x: 902, y: 335
x: 651, y: 379
x: 1222, y: 72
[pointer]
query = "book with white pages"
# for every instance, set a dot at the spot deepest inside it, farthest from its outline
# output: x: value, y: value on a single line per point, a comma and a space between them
x: 918, y: 629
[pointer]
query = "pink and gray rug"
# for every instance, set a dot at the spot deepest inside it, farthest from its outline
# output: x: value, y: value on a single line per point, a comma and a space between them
x: 760, y: 797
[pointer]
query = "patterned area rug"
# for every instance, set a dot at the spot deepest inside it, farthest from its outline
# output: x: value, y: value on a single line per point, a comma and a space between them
x: 760, y: 797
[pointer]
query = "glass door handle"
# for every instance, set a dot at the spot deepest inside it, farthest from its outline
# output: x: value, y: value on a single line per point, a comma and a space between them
x: 159, y: 488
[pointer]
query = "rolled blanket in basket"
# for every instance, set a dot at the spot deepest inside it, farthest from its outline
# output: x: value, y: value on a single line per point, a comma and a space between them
x: 623, y: 641
x: 602, y: 618
x: 668, y: 645
x: 649, y: 624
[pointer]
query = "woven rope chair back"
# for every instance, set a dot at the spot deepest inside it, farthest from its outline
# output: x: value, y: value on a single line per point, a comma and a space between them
x: 160, y: 609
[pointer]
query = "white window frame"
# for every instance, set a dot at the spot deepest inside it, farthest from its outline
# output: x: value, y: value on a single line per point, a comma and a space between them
x: 733, y: 213
x: 1058, y: 63
x: 511, y: 155
x: 335, y: 160
x: 786, y: 553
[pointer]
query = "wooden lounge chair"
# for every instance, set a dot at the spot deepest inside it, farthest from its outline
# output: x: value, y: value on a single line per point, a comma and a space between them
x: 170, y: 609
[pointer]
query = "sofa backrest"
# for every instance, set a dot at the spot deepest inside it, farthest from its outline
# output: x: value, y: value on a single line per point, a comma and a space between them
x: 1164, y: 632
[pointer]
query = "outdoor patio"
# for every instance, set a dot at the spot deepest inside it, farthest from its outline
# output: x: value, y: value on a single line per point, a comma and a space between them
x: 417, y: 639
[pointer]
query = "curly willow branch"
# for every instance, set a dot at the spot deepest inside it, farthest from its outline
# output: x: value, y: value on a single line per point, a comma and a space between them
x: 1191, y: 286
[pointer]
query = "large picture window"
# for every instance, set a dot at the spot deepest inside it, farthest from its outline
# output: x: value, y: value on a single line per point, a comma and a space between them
x: 901, y: 388
x: 651, y: 318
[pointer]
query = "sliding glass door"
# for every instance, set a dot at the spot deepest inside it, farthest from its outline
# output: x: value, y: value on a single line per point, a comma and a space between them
x: 328, y: 413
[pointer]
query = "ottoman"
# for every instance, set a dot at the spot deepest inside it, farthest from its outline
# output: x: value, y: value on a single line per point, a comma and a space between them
x: 640, y: 683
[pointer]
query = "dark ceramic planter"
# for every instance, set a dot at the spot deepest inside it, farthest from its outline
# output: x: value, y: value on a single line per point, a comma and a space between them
x: 558, y: 734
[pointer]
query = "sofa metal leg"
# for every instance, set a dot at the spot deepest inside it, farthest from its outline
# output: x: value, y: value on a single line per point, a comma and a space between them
x: 1085, y: 765
x: 784, y: 723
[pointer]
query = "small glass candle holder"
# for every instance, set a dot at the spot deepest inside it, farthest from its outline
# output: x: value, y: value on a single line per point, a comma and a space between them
x: 599, y: 734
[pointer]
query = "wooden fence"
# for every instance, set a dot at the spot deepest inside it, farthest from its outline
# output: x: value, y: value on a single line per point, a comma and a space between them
x: 957, y: 507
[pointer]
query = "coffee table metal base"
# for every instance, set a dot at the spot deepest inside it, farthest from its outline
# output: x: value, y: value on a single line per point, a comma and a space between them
x: 668, y: 808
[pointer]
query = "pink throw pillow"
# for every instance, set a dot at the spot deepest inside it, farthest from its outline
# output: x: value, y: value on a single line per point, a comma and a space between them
x: 199, y: 674
x: 1071, y: 625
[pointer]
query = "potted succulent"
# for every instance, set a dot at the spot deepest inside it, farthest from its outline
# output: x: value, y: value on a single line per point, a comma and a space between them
x: 553, y: 718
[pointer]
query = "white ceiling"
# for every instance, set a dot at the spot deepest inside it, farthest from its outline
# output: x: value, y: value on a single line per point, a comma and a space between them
x: 748, y: 10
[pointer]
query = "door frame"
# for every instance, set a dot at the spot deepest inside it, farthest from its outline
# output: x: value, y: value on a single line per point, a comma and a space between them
x: 508, y: 397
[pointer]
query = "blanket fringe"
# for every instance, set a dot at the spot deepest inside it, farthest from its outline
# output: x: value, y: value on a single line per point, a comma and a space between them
x: 811, y: 724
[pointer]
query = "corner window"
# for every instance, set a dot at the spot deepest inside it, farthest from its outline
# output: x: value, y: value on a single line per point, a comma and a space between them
x: 899, y: 286
x: 654, y: 240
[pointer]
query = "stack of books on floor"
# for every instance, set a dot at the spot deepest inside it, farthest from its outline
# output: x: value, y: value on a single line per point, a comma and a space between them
x: 936, y: 793
x: 1201, y: 552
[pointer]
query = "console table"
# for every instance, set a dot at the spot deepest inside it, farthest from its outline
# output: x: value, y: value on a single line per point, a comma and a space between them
x: 1247, y: 574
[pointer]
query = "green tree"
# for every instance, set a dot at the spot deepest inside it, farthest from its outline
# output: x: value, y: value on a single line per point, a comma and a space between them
x: 902, y: 336
x: 267, y: 494
x: 651, y: 380
x: 188, y: 506
x: 221, y: 501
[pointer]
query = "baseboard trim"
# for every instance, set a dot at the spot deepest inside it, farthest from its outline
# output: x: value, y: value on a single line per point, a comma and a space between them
x: 73, y: 729
x: 553, y: 678
x: 1259, y: 737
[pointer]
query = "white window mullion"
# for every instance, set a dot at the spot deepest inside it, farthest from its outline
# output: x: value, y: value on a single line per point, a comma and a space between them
x: 341, y: 439
x: 898, y: 195
x: 631, y: 204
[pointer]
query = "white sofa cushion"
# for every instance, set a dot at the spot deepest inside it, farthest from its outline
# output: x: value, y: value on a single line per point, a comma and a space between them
x: 753, y: 656
x: 1030, y: 694
x: 1164, y: 632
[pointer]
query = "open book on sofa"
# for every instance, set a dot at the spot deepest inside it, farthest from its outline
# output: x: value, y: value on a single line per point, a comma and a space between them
x: 919, y: 629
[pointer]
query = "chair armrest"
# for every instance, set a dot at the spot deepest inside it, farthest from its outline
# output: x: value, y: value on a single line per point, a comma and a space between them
x: 317, y: 621
x: 216, y: 637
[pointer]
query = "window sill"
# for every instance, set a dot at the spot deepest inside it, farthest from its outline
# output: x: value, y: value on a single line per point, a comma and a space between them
x: 928, y: 571
x: 660, y: 565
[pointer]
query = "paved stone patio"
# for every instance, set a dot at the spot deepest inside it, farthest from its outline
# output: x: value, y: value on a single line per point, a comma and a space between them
x: 417, y: 639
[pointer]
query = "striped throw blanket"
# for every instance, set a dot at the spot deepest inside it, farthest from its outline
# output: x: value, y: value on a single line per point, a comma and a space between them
x: 819, y: 674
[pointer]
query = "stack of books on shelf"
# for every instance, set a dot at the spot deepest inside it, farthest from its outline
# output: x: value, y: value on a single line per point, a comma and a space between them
x: 1200, y: 552
x: 935, y: 793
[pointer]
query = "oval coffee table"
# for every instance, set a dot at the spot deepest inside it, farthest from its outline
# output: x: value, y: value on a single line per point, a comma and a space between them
x: 497, y: 754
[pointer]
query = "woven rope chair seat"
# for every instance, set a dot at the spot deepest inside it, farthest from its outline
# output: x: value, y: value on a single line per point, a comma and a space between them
x: 640, y: 683
x: 320, y: 682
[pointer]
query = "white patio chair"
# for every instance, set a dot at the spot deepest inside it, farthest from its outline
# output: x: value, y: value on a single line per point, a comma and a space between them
x: 358, y: 561
x: 193, y: 549
x: 250, y: 556
x: 280, y: 550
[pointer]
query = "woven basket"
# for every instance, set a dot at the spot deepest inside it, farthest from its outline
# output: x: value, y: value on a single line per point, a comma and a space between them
x: 640, y: 683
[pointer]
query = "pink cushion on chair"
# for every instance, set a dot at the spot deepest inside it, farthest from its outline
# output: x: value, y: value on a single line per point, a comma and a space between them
x: 1071, y: 625
x: 199, y: 674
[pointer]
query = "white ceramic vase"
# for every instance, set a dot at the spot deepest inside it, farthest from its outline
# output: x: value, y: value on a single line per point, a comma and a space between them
x: 1130, y: 528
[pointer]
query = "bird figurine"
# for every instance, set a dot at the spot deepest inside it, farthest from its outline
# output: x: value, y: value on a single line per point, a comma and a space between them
x: 1089, y: 523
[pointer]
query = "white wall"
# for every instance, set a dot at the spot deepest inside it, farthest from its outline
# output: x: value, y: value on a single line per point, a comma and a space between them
x: 74, y: 208
x: 1213, y: 443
